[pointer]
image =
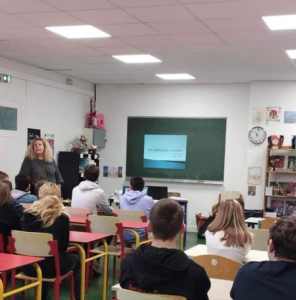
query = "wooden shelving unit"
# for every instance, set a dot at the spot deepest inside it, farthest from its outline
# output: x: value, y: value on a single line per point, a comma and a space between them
x: 284, y: 151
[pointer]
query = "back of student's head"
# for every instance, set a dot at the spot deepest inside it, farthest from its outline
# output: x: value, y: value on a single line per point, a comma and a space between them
x: 166, y: 219
x: 47, y: 210
x: 5, y: 194
x: 3, y: 175
x: 91, y: 173
x: 230, y: 219
x: 22, y: 182
x: 283, y: 236
x: 49, y: 189
x: 38, y: 185
x: 137, y: 183
x: 8, y: 183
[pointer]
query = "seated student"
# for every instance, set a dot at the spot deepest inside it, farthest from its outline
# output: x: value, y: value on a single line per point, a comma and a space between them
x: 3, y: 176
x: 228, y: 234
x: 49, y: 189
x: 21, y: 193
x: 8, y: 183
x: 49, y: 215
x: 273, y: 279
x: 160, y: 268
x: 88, y: 194
x: 134, y: 199
x: 37, y: 187
x: 10, y: 212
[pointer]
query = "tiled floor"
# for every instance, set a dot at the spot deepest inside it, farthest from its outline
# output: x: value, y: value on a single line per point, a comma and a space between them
x: 95, y: 287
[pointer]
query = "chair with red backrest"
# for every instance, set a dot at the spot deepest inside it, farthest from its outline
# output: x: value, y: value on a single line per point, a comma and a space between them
x: 2, y: 250
x: 41, y: 245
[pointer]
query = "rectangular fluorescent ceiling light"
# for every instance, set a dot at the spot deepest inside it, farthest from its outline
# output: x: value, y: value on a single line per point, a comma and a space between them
x: 175, y: 76
x: 137, y: 59
x: 291, y: 53
x: 78, y: 32
x: 285, y: 22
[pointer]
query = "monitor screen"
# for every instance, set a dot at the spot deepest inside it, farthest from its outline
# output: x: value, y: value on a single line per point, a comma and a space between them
x: 158, y: 192
x: 127, y: 188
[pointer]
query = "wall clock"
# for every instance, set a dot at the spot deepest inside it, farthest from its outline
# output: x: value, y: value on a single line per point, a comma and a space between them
x: 257, y: 135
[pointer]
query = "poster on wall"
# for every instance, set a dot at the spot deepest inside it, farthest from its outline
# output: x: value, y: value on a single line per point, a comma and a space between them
x: 8, y: 118
x: 290, y: 117
x: 112, y: 172
x: 252, y: 190
x: 50, y: 138
x: 273, y: 115
x: 254, y: 176
x: 258, y: 116
x: 33, y: 134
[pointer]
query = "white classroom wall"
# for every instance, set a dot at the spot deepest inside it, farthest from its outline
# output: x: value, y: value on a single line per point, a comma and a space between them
x: 45, y: 102
x: 221, y: 100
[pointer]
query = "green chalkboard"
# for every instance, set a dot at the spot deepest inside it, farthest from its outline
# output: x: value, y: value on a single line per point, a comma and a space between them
x: 205, y: 147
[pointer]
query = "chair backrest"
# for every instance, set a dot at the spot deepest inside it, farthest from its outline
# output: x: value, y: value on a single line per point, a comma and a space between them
x: 103, y: 224
x: 229, y: 195
x: 130, y: 295
x: 77, y: 211
x: 31, y: 243
x: 260, y: 239
x: 26, y: 205
x: 267, y: 223
x: 2, y: 245
x: 218, y: 267
x: 174, y: 194
x: 130, y: 215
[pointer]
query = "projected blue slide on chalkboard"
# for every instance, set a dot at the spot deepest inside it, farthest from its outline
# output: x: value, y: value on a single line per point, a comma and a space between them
x: 165, y: 151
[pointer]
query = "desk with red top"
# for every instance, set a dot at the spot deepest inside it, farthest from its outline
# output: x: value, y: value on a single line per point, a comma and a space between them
x: 88, y: 238
x: 11, y: 262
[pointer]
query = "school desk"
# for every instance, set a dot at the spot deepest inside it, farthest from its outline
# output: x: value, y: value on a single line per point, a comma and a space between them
x: 251, y: 222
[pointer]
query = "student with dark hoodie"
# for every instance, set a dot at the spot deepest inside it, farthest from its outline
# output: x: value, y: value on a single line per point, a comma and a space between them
x: 21, y: 193
x: 88, y: 194
x: 135, y: 199
x: 160, y: 268
x: 10, y: 212
x: 48, y: 215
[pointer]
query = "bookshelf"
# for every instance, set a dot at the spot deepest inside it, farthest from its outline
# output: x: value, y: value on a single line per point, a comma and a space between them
x: 281, y: 168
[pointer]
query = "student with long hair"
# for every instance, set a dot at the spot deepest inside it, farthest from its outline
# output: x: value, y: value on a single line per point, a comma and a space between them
x: 228, y: 235
x: 49, y: 215
x: 49, y: 189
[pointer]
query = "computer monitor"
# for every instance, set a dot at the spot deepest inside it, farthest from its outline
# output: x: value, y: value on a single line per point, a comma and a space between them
x: 158, y: 192
x: 127, y: 188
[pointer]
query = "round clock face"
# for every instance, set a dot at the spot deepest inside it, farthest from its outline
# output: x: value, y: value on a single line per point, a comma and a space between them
x: 257, y: 135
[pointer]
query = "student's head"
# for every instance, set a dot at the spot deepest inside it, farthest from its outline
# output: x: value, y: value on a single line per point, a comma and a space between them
x: 22, y: 182
x: 282, y: 239
x: 5, y: 194
x: 8, y: 183
x: 3, y: 176
x: 137, y: 184
x: 91, y: 173
x: 40, y: 148
x: 47, y: 210
x: 166, y: 220
x: 230, y: 219
x: 38, y: 185
x: 49, y: 189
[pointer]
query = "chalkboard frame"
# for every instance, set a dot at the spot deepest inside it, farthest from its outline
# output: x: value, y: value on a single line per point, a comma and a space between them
x: 205, y: 122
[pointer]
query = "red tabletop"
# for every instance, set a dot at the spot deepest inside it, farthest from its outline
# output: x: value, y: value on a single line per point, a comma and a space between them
x: 78, y: 219
x: 133, y: 224
x: 13, y: 261
x: 86, y: 237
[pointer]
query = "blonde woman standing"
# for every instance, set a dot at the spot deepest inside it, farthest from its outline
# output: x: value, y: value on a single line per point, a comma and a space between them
x: 228, y: 235
x: 49, y: 215
x: 39, y: 163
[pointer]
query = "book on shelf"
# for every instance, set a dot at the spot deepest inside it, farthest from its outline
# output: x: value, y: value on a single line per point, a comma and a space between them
x: 290, y: 208
x: 292, y: 162
x: 278, y: 207
x: 276, y: 161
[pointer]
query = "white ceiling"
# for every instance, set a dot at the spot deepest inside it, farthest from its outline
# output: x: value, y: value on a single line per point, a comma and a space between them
x: 213, y: 40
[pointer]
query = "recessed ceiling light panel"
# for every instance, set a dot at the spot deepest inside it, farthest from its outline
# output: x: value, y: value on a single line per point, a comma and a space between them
x: 78, y: 32
x: 137, y: 59
x: 180, y: 76
x: 285, y: 22
x: 291, y: 53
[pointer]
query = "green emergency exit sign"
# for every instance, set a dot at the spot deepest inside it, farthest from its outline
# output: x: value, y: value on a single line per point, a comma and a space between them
x: 5, y: 78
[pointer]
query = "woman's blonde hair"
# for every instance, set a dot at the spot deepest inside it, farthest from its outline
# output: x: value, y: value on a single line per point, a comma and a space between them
x: 47, y: 210
x: 5, y: 194
x: 49, y: 189
x: 47, y: 154
x: 230, y: 219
